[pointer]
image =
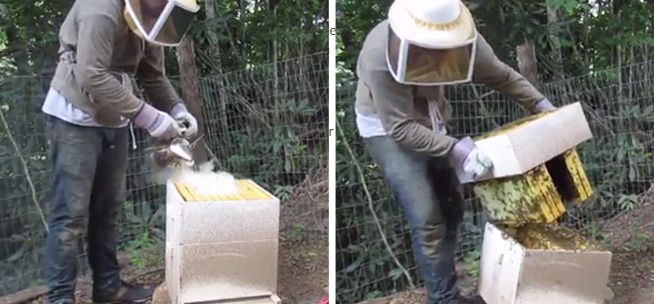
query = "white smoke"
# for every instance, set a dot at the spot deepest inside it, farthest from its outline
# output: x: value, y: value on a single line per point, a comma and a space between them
x: 204, y: 180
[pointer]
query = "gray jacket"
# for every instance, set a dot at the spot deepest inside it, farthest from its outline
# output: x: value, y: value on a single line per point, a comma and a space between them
x: 95, y: 41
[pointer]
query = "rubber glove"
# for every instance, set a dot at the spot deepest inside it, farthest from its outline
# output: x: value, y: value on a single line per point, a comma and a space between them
x: 471, y: 159
x: 180, y: 113
x: 543, y: 105
x: 159, y: 124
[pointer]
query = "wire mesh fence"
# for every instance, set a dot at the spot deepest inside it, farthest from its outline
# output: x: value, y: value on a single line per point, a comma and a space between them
x: 373, y: 249
x: 267, y: 123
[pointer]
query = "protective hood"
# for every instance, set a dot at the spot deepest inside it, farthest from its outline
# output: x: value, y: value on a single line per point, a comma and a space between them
x: 431, y: 42
x: 162, y: 22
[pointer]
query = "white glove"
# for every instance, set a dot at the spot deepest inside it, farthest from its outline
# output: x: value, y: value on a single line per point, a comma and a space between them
x: 182, y: 115
x: 472, y: 160
x: 189, y: 122
x: 159, y: 124
x: 478, y: 164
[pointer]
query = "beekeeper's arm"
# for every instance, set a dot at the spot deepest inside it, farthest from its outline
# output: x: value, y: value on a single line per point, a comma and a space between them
x: 491, y: 71
x: 151, y: 75
x: 160, y: 92
x: 394, y: 104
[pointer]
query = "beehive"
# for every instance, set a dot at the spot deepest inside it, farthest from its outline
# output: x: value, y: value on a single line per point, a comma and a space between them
x: 537, y: 170
x: 557, y: 266
x: 222, y: 248
x: 537, y: 196
x: 522, y: 145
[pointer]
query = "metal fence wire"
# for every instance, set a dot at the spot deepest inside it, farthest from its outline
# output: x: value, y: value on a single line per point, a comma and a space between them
x: 618, y: 104
x: 268, y: 123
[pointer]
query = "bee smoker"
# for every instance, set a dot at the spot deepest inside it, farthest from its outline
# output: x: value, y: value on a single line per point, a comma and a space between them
x: 174, y: 153
x: 178, y: 152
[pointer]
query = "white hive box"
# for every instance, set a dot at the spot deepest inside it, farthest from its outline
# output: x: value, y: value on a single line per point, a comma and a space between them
x: 222, y: 248
x: 521, y: 146
x: 513, y: 274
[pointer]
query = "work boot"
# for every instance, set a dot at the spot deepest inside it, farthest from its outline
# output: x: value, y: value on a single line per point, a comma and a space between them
x: 126, y: 293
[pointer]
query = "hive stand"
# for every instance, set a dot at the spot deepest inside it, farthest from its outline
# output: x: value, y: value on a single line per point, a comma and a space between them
x: 222, y: 248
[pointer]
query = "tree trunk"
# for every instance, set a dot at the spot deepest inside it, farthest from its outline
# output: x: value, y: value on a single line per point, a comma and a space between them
x: 189, y: 85
x: 211, y: 6
x: 555, y: 42
x: 210, y: 11
x: 527, y: 62
x: 273, y: 50
x: 528, y: 65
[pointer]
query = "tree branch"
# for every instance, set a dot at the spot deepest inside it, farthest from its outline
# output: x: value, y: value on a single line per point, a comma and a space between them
x: 372, y: 209
x: 25, y: 170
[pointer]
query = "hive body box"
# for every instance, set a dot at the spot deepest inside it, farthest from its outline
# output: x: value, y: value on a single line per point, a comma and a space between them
x: 537, y: 196
x: 521, y: 146
x: 513, y: 274
x: 222, y: 248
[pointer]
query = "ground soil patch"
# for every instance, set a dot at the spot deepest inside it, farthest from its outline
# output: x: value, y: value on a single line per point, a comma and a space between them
x: 631, y: 239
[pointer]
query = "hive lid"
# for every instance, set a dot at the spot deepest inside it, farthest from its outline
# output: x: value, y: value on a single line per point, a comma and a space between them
x: 247, y: 190
x: 522, y: 145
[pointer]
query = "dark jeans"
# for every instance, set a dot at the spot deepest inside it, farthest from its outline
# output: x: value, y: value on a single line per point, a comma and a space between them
x: 427, y: 189
x: 88, y: 171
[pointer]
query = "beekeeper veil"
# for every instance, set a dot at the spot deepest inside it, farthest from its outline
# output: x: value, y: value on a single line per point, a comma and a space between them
x: 431, y: 42
x: 162, y: 22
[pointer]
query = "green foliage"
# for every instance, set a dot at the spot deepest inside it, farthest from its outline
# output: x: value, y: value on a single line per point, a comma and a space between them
x: 640, y: 242
x: 591, y: 37
x: 472, y: 260
x: 248, y: 33
x: 144, y: 252
x: 628, y: 202
x: 284, y: 193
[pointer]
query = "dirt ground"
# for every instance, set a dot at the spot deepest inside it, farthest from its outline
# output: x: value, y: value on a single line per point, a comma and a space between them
x: 630, y: 238
x: 632, y: 277
x: 304, y: 253
x: 303, y: 269
x: 303, y: 277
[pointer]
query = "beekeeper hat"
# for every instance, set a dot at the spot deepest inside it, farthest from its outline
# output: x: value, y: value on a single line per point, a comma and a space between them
x: 431, y: 42
x: 432, y: 23
x: 162, y: 22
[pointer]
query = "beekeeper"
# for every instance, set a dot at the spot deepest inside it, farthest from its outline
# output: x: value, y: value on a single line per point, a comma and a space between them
x: 402, y: 113
x: 89, y: 107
